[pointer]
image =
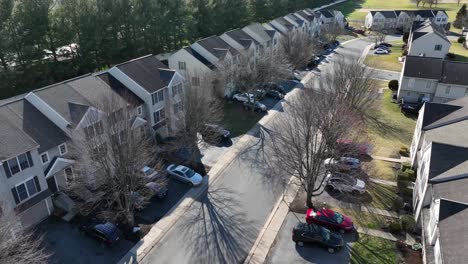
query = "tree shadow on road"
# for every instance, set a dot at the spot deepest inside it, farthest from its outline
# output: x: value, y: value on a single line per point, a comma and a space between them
x: 218, y: 229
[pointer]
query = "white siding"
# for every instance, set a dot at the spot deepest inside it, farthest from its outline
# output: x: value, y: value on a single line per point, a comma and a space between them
x: 426, y: 44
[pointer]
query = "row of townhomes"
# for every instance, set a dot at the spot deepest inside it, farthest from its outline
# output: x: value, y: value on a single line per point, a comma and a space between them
x: 439, y: 151
x: 38, y: 129
x: 391, y: 20
x: 203, y: 57
x: 427, y: 75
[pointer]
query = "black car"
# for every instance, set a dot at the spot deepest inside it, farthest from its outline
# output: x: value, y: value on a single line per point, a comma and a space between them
x: 213, y: 131
x: 312, y: 233
x: 386, y: 44
x: 275, y: 94
x: 106, y: 233
x: 274, y: 86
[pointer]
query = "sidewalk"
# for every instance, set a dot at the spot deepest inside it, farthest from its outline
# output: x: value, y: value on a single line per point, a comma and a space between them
x: 400, y: 160
x: 383, y: 182
x: 376, y: 233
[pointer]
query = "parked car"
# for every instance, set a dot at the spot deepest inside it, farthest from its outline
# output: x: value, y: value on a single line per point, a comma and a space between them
x: 343, y: 163
x: 273, y: 86
x: 345, y: 183
x: 106, y: 233
x: 156, y: 189
x: 350, y: 148
x: 312, y: 233
x: 381, y: 51
x: 244, y: 97
x: 257, y: 106
x: 149, y: 173
x: 184, y: 174
x: 336, y: 43
x: 329, y: 219
x: 383, y: 48
x: 385, y: 44
x: 260, y: 93
x: 275, y: 94
x: 213, y: 131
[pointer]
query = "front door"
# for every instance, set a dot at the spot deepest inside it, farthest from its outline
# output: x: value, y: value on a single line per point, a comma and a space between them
x: 52, y: 184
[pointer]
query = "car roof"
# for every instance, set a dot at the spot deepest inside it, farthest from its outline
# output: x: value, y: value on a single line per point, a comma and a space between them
x: 326, y: 212
x: 106, y: 228
x: 145, y: 169
x: 181, y: 168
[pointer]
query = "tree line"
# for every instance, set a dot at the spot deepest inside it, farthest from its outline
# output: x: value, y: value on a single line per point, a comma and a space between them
x: 111, y: 31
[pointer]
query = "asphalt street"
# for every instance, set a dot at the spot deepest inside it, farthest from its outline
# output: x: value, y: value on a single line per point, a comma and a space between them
x: 222, y: 225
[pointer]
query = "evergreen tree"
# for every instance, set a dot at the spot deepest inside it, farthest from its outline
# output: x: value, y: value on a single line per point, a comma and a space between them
x: 260, y: 10
x: 461, y: 17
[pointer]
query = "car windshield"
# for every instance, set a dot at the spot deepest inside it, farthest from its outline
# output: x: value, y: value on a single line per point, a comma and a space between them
x: 338, y: 218
x: 325, y: 233
x: 190, y: 173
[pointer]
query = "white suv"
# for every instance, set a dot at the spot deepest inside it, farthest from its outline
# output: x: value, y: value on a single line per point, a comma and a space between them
x: 244, y: 97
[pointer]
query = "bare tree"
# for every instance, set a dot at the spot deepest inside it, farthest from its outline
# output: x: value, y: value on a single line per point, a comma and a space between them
x: 113, y: 148
x: 298, y: 48
x: 18, y: 245
x: 307, y: 134
x: 196, y: 109
x: 332, y: 32
x: 378, y: 36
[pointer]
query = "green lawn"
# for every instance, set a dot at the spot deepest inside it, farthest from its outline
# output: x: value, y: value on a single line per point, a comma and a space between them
x: 460, y: 52
x: 380, y: 169
x: 358, y: 9
x: 237, y: 120
x: 386, y: 61
x: 373, y: 250
x: 389, y: 129
x: 362, y: 219
x: 382, y: 195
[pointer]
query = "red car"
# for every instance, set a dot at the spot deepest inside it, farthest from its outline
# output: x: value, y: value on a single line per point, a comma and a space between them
x: 329, y: 219
x: 348, y: 147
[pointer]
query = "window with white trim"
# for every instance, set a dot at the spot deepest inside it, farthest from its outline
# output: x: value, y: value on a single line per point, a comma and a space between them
x: 19, y: 163
x: 159, y: 116
x: 195, y: 81
x: 92, y: 130
x: 447, y: 90
x: 26, y: 189
x: 139, y: 110
x: 45, y: 157
x: 177, y: 89
x: 63, y: 149
x: 158, y: 96
x: 178, y: 107
x: 182, y: 65
x: 69, y: 176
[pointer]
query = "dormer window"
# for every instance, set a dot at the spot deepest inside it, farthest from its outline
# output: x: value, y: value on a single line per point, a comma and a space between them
x: 158, y: 96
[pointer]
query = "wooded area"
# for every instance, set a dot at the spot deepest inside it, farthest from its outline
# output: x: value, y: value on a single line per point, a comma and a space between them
x: 47, y: 41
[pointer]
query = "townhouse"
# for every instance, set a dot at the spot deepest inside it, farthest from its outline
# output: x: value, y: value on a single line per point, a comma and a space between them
x: 268, y: 38
x: 391, y: 20
x: 243, y: 43
x: 326, y: 18
x: 440, y: 153
x: 432, y: 79
x: 429, y: 40
x: 311, y: 21
x: 43, y: 131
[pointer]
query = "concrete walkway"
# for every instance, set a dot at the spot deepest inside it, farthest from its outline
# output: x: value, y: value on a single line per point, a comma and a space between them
x: 377, y: 211
x: 376, y: 233
x: 400, y: 160
x: 383, y: 182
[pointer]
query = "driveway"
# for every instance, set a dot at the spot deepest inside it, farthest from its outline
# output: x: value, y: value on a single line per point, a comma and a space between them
x: 69, y: 246
x: 284, y: 250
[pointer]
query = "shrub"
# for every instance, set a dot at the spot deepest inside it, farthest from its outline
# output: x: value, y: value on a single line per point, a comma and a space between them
x: 393, y: 85
x: 395, y: 227
x: 404, y: 152
x: 402, y: 176
x: 405, y: 166
x: 402, y: 184
x: 408, y: 224
x: 405, y: 37
x: 461, y: 40
x: 450, y: 55
x: 398, y: 204
x: 405, y: 53
x: 407, y: 194
x: 411, y: 174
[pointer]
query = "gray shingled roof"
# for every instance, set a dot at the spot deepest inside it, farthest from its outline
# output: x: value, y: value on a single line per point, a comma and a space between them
x: 64, y: 100
x: 284, y: 22
x: 453, y: 231
x: 436, y: 111
x: 145, y: 72
x: 295, y: 18
x: 36, y: 125
x: 13, y: 140
x: 242, y: 38
x: 199, y: 57
x: 270, y: 33
x: 451, y: 112
x: 120, y: 88
x: 259, y: 30
x: 419, y: 29
x: 326, y: 13
x: 444, y: 71
x: 305, y: 16
x: 217, y: 46
x: 453, y: 190
x: 447, y: 161
x: 424, y: 13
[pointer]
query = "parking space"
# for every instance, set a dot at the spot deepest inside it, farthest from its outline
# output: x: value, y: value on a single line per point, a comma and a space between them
x: 68, y: 245
x: 157, y: 208
x: 284, y: 250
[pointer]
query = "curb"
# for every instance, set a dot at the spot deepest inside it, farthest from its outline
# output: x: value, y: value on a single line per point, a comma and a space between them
x: 259, y: 251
